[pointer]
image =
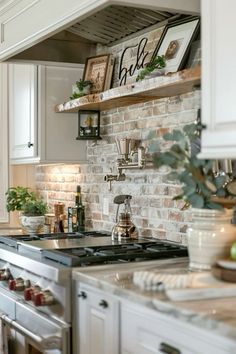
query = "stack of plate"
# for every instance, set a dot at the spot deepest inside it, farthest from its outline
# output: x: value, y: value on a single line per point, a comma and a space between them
x: 225, y: 269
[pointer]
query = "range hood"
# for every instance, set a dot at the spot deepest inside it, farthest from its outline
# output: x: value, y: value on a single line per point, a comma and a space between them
x: 106, y: 26
x: 117, y: 22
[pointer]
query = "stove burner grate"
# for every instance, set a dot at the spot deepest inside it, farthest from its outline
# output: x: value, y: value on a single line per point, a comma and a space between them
x: 73, y: 257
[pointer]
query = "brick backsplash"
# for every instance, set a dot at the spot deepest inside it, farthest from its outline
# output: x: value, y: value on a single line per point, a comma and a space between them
x: 154, y: 212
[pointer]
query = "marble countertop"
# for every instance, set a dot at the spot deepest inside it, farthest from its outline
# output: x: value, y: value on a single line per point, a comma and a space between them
x: 11, y: 231
x: 217, y: 315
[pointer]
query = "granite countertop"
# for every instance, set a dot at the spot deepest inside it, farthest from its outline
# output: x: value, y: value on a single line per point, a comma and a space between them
x: 217, y: 315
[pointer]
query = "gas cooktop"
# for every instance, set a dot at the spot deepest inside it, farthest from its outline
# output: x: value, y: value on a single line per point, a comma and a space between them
x: 120, y: 253
x: 14, y: 240
x: 90, y: 248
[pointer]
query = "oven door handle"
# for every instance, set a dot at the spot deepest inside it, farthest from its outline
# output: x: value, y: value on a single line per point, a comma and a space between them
x: 50, y: 342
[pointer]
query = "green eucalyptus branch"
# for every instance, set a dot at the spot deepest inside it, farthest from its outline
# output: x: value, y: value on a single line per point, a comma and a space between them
x: 199, y: 183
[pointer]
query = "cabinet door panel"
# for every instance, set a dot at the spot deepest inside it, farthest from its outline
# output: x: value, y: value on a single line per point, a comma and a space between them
x: 23, y: 110
x: 58, y: 131
x: 97, y: 328
x: 4, y: 217
x: 97, y: 323
x: 37, y: 132
x: 218, y: 83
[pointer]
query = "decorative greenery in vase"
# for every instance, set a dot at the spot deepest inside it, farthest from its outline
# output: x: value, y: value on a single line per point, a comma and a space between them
x: 21, y: 199
x: 34, y: 208
x: 156, y: 64
x: 201, y: 188
x: 82, y: 88
x: 17, y: 197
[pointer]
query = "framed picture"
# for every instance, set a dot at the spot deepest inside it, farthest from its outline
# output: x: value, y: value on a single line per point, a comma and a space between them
x: 175, y: 42
x: 88, y: 125
x: 96, y: 71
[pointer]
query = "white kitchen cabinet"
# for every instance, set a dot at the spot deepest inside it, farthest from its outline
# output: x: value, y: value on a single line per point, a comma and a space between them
x: 144, y: 331
x: 37, y: 133
x: 23, y: 110
x: 105, y: 323
x: 24, y: 23
x: 4, y: 216
x: 218, y: 79
x: 97, y: 330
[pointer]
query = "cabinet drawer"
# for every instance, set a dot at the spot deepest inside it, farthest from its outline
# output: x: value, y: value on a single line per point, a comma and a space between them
x: 147, y: 332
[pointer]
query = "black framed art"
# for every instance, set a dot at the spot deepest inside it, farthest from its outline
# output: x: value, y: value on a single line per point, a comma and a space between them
x: 175, y: 42
x: 88, y: 124
x: 99, y: 70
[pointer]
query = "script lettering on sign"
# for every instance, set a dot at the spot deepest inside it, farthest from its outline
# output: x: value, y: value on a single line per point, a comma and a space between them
x: 138, y: 64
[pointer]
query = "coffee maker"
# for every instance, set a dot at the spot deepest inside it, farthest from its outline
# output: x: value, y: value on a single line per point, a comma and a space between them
x: 124, y: 227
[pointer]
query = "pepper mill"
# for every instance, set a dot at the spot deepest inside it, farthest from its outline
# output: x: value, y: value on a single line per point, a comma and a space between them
x: 59, y: 217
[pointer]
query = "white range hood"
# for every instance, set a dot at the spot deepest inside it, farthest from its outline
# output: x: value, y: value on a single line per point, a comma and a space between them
x: 24, y: 23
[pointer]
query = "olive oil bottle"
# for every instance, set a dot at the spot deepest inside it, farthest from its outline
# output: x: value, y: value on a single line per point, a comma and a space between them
x: 78, y: 214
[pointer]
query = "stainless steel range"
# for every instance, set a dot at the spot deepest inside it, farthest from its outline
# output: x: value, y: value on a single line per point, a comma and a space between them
x: 35, y: 283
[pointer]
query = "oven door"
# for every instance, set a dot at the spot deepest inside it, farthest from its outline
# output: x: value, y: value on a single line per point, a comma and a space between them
x: 31, y: 332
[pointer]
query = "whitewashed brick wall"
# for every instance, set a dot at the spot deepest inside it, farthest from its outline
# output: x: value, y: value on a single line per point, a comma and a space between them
x: 154, y: 211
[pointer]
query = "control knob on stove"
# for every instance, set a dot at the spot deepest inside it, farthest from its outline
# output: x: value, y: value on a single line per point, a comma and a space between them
x: 30, y: 292
x: 5, y: 274
x: 18, y: 284
x: 44, y: 298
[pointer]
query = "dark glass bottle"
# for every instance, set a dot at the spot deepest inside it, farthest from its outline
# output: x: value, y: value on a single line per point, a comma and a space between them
x: 78, y: 214
x: 70, y: 219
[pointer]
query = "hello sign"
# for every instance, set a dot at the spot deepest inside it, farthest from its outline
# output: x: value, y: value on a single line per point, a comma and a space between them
x: 141, y: 55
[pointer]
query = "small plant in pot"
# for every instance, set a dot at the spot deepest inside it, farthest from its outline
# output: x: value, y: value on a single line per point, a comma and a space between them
x: 204, y: 192
x: 81, y: 88
x: 155, y: 68
x: 31, y: 209
x: 32, y: 217
x: 17, y: 197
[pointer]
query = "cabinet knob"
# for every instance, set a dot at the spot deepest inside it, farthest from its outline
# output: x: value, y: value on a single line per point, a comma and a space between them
x: 30, y: 144
x: 168, y: 349
x: 103, y: 303
x: 83, y: 295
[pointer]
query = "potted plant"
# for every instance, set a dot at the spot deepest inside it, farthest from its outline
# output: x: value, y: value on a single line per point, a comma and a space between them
x: 157, y: 64
x: 32, y: 217
x: 17, y: 197
x: 211, y: 234
x: 31, y: 208
x: 34, y: 208
x: 81, y: 88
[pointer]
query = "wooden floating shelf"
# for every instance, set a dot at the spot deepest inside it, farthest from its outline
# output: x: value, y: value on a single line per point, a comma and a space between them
x: 149, y: 89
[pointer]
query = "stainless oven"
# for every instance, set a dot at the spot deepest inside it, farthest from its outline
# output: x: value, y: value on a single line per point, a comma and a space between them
x: 36, y: 302
x: 25, y: 330
x: 35, y: 315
